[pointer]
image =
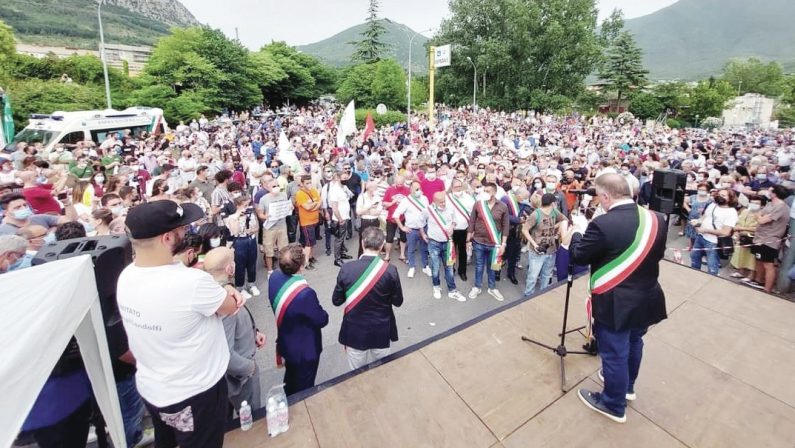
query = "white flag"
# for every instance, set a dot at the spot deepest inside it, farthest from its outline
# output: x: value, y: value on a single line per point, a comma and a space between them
x: 347, y: 124
x: 284, y: 143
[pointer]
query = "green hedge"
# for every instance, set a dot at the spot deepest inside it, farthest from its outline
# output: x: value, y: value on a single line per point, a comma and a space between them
x: 389, y: 118
x: 673, y: 124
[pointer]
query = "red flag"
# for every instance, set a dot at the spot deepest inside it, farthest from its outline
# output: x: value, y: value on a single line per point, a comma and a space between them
x: 369, y: 126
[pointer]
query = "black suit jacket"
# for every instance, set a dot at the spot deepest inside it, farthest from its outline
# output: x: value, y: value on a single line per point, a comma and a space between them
x: 638, y: 301
x: 371, y: 324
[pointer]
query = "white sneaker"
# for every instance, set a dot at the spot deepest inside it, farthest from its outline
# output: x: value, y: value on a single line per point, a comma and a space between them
x: 496, y: 294
x: 455, y: 295
x: 245, y: 294
x: 411, y: 273
x: 437, y: 292
x: 253, y: 290
x: 427, y: 271
x: 147, y: 439
x: 474, y: 293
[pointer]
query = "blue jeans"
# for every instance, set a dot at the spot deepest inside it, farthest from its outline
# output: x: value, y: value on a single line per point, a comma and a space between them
x: 621, y: 353
x: 713, y: 259
x: 436, y: 251
x: 482, y: 254
x: 539, y: 270
x: 132, y: 410
x: 415, y: 242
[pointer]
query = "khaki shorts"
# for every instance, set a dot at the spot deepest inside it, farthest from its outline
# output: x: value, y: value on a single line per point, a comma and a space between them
x: 274, y: 238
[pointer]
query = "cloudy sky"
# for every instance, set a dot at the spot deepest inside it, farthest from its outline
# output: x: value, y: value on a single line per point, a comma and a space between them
x: 305, y: 21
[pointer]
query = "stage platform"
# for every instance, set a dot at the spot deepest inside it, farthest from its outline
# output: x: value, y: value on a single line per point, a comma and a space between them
x: 718, y: 373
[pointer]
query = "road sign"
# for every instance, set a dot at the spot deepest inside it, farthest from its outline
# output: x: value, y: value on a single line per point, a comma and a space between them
x: 380, y: 109
x: 442, y: 56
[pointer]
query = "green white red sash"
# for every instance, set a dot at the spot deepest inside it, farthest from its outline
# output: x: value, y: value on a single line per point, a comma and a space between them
x: 491, y: 229
x: 416, y: 203
x: 449, y: 252
x: 287, y: 293
x: 615, y: 272
x: 513, y: 205
x: 459, y: 207
x: 365, y: 284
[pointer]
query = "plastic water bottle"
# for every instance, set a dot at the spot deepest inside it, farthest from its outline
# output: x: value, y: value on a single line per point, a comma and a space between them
x: 246, y: 422
x: 284, y: 416
x: 270, y: 416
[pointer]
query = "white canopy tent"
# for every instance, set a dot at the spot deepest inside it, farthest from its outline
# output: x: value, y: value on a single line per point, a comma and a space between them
x: 40, y: 309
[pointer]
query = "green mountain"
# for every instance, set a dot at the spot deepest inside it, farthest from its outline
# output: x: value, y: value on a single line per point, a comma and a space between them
x: 693, y: 39
x: 73, y: 23
x: 337, y: 49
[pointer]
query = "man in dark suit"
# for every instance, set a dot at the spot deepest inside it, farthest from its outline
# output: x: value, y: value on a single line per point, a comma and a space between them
x: 626, y: 297
x: 368, y: 288
x: 299, y: 319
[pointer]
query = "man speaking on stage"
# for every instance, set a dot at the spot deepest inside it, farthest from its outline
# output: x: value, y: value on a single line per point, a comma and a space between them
x: 624, y: 248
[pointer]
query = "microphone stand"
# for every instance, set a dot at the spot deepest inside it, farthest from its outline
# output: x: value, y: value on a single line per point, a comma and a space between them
x: 561, y: 351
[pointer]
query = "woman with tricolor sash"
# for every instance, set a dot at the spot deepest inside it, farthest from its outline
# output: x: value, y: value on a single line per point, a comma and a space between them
x: 299, y: 320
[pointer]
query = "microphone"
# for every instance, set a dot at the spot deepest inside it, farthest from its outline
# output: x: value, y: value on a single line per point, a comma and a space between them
x: 590, y: 191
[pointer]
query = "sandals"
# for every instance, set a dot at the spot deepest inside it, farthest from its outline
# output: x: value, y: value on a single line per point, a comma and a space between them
x: 737, y: 275
x: 404, y: 260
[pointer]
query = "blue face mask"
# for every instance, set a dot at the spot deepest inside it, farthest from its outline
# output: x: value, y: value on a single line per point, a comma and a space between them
x: 49, y: 238
x: 17, y: 264
x: 23, y: 213
x: 89, y: 227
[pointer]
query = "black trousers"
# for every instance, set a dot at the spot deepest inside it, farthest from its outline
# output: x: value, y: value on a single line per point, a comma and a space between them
x: 365, y: 224
x: 513, y: 249
x: 339, y: 229
x: 198, y: 421
x: 68, y: 433
x: 460, y: 241
x: 299, y: 376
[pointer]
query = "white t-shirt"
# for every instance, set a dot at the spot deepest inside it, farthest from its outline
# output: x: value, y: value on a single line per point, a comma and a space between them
x: 185, y: 165
x: 724, y: 216
x: 177, y: 339
x: 338, y: 193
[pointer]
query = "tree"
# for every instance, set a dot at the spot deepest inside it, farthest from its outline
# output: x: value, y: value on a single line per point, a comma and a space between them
x: 39, y: 96
x: 358, y: 85
x: 708, y: 99
x: 623, y: 68
x: 645, y: 105
x: 674, y: 96
x: 753, y: 76
x: 7, y: 45
x: 299, y: 85
x: 203, y: 61
x: 528, y: 47
x: 371, y: 47
x: 389, y: 84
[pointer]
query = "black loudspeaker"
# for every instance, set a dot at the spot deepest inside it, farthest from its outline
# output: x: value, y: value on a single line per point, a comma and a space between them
x: 668, y: 191
x: 110, y: 254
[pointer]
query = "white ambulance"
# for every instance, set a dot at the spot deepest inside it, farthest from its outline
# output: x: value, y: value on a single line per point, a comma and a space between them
x: 68, y: 128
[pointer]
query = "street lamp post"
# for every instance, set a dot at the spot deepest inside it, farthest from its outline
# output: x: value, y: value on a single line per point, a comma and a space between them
x: 474, y: 85
x: 102, y: 54
x: 408, y: 102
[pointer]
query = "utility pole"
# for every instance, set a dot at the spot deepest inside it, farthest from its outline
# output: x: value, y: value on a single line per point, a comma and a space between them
x: 102, y: 54
x: 474, y: 85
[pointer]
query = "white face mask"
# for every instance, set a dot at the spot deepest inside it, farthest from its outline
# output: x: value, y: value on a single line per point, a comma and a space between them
x: 430, y: 176
x: 215, y: 242
x: 754, y: 207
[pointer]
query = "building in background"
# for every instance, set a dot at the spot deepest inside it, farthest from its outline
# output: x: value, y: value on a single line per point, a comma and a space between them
x: 117, y: 54
x: 750, y: 110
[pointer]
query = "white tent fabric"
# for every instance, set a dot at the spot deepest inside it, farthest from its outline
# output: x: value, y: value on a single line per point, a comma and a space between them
x: 40, y: 309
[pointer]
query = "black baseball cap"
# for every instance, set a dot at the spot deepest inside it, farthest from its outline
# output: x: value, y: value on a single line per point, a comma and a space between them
x: 158, y: 217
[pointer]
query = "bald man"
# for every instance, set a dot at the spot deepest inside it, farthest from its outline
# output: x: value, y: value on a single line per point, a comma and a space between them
x: 242, y: 336
x: 624, y: 247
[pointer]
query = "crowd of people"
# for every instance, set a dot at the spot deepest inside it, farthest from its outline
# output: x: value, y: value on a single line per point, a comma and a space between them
x: 476, y: 188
